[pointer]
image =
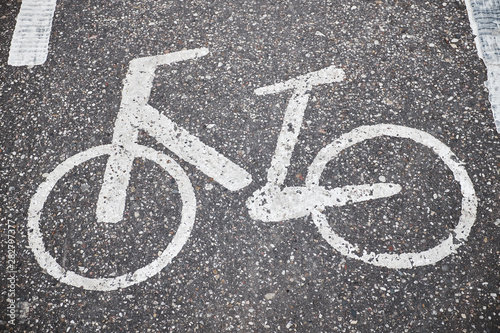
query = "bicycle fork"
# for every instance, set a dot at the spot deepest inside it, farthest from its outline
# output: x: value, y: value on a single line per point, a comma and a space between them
x: 273, y: 202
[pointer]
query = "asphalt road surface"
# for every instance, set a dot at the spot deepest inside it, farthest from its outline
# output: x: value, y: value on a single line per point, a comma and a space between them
x: 149, y: 185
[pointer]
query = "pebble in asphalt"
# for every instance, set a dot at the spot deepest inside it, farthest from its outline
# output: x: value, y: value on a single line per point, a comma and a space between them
x: 408, y: 64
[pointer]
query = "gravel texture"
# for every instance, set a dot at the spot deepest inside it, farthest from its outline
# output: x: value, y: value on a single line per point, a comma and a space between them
x: 411, y: 64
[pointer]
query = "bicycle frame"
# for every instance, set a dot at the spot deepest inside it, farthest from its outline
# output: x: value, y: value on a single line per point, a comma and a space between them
x: 273, y: 202
x: 270, y: 203
x: 135, y: 115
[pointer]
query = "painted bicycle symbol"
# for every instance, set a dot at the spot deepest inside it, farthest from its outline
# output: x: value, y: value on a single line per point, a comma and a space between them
x: 273, y: 202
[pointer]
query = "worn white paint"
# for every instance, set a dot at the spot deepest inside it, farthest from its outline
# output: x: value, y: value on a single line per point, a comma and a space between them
x: 294, y: 115
x: 30, y: 41
x: 305, y: 82
x: 406, y: 260
x: 273, y: 202
x: 49, y: 263
x: 135, y: 114
x: 484, y: 17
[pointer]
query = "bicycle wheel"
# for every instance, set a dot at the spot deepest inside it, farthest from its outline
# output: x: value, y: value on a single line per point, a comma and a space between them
x: 182, y: 234
x: 403, y: 260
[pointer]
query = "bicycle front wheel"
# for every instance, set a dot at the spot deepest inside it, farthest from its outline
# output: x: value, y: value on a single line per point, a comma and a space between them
x: 52, y: 267
x: 447, y: 246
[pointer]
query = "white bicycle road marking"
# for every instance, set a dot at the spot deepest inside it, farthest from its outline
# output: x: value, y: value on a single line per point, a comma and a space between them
x: 484, y: 17
x: 273, y: 202
x: 30, y: 41
x: 47, y: 262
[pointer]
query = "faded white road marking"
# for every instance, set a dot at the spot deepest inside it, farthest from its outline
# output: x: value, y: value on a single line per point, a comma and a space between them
x: 135, y: 114
x: 49, y: 263
x: 305, y: 82
x: 273, y: 204
x: 484, y: 17
x: 30, y: 42
x: 270, y: 203
x: 405, y: 260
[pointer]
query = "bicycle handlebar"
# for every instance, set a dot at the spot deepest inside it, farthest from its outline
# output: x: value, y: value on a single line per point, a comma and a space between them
x: 305, y: 82
x: 149, y: 64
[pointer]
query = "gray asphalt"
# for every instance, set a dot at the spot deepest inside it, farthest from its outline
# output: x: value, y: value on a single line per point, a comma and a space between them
x: 408, y: 64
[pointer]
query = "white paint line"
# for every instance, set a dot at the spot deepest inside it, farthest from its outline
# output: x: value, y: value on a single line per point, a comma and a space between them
x: 406, y: 260
x: 49, y: 263
x: 30, y: 41
x: 493, y: 85
x: 139, y: 80
x: 113, y: 195
x: 135, y: 95
x: 135, y: 114
x: 346, y: 195
x: 305, y: 82
x: 272, y: 204
x: 287, y: 139
x: 292, y: 120
x: 193, y: 150
x: 484, y: 17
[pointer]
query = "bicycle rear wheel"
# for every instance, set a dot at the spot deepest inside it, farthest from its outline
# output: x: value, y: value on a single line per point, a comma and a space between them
x: 429, y: 256
x: 49, y: 263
